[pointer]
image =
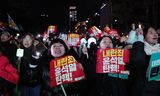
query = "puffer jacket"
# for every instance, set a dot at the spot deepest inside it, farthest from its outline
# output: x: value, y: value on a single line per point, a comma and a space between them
x: 7, y: 71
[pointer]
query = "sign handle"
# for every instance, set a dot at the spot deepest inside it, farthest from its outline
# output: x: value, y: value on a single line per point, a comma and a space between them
x: 18, y: 65
x: 63, y: 90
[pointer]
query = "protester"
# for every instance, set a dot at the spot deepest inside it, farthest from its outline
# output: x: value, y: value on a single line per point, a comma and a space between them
x: 101, y: 84
x: 30, y: 84
x: 141, y: 54
x: 58, y: 49
x: 8, y: 47
x: 9, y: 76
x: 93, y: 80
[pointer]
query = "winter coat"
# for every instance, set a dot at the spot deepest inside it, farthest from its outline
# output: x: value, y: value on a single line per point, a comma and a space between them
x: 140, y: 86
x: 7, y: 71
x: 9, y: 50
x: 29, y: 76
x: 71, y: 88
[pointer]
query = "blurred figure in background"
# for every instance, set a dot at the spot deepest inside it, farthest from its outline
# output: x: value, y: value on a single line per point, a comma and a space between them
x: 8, y: 47
x: 9, y: 76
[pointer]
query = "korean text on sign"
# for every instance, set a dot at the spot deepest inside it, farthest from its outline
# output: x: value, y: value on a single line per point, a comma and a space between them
x: 65, y: 70
x: 73, y: 39
x: 111, y: 60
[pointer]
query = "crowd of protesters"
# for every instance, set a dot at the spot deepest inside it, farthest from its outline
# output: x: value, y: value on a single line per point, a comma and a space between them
x: 29, y: 75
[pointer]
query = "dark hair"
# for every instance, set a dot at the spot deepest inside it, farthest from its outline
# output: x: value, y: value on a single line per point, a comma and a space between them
x: 57, y: 40
x: 5, y: 32
x: 30, y: 34
x: 100, y: 39
x: 145, y: 30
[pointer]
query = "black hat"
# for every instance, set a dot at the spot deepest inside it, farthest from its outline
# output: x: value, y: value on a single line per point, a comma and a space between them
x: 100, y: 39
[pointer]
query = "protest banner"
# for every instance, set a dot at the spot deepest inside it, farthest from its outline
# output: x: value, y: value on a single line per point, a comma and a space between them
x: 74, y: 39
x: 153, y: 71
x: 112, y: 61
x: 65, y: 70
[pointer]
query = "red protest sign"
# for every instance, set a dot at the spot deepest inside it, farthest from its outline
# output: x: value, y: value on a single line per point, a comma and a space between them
x: 111, y: 60
x: 65, y: 70
x: 113, y: 33
x: 73, y: 39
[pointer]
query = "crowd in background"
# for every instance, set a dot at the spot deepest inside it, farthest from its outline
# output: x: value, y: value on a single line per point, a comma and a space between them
x: 28, y: 75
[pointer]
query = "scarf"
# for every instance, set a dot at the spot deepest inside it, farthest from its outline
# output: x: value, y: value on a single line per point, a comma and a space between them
x: 149, y: 49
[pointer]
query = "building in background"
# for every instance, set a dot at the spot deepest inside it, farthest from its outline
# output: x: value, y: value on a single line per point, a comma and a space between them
x: 72, y: 17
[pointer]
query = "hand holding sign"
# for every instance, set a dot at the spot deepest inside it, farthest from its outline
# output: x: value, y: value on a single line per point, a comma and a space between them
x: 112, y: 60
x: 65, y: 70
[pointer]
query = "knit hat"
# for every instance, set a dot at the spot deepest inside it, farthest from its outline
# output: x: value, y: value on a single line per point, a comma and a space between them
x: 100, y: 39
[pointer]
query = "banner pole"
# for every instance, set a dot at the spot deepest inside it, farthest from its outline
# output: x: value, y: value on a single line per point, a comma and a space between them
x: 63, y: 90
x: 18, y: 67
x: 19, y: 61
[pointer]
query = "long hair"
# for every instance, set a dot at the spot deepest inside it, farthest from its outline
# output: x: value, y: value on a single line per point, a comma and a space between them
x: 29, y: 34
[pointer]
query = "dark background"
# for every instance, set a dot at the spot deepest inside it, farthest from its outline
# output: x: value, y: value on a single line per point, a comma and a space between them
x: 36, y: 15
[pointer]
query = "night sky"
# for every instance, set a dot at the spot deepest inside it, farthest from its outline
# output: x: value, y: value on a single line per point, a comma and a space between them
x: 28, y: 13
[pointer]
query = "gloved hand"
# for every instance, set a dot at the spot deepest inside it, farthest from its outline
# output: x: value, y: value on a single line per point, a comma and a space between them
x: 36, y: 55
x: 34, y: 62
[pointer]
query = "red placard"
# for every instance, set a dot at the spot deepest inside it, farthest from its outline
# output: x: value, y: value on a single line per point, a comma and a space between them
x: 73, y: 39
x: 65, y: 70
x: 111, y: 60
